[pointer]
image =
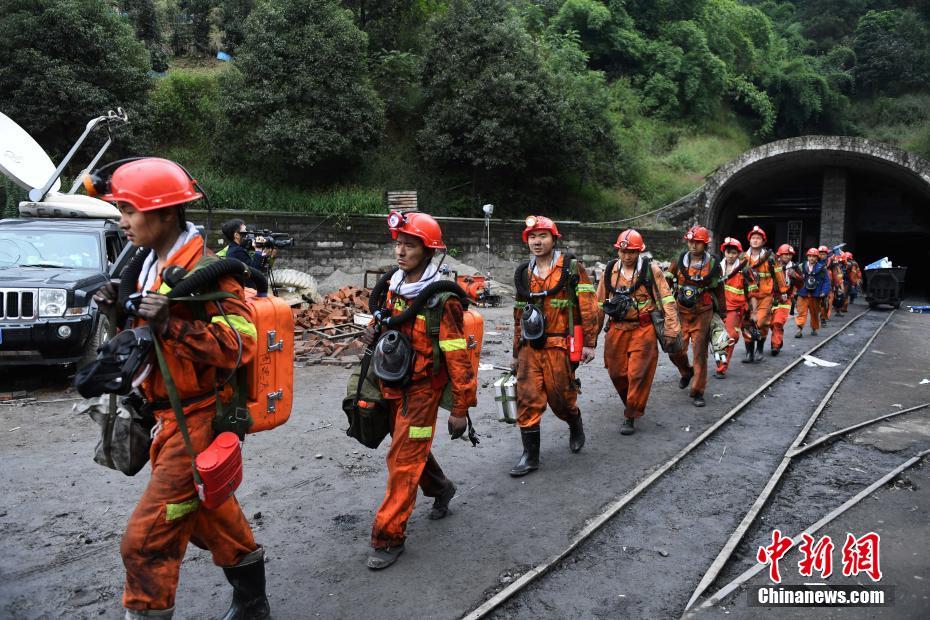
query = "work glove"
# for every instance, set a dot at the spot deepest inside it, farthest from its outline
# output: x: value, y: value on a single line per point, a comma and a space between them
x: 457, y: 426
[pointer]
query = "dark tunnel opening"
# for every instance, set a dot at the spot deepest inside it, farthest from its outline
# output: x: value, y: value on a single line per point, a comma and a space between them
x: 876, y: 210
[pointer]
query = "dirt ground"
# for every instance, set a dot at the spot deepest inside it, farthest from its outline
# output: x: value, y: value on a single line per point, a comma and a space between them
x: 310, y: 493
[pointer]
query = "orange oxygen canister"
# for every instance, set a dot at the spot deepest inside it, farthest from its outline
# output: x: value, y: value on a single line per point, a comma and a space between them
x: 220, y: 469
x: 575, y: 344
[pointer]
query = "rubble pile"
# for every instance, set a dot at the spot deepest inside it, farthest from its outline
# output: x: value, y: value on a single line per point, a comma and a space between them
x: 327, y: 332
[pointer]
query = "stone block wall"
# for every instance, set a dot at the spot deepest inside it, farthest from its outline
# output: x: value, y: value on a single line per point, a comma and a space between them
x: 356, y: 243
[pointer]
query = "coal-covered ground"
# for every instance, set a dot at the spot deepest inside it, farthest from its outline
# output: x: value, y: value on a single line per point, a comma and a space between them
x: 311, y: 493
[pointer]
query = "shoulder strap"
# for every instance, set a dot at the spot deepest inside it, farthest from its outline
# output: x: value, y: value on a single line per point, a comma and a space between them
x: 433, y: 316
x: 609, y: 277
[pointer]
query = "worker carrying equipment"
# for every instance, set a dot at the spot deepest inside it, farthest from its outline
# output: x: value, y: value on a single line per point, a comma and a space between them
x: 200, y: 346
x: 558, y: 285
x: 768, y: 285
x: 736, y: 279
x: 428, y: 317
x: 632, y: 291
x: 700, y: 295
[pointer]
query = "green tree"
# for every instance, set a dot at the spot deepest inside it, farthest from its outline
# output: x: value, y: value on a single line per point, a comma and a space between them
x: 298, y: 98
x: 65, y: 61
x: 892, y: 52
x: 488, y: 107
x: 233, y: 14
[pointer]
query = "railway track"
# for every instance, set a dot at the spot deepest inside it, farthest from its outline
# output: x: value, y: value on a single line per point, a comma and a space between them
x: 626, y: 544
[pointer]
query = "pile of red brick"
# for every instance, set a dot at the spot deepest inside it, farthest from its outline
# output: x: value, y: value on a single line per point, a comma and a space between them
x: 325, y: 332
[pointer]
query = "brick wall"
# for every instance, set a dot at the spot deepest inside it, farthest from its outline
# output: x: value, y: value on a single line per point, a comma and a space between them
x: 356, y: 243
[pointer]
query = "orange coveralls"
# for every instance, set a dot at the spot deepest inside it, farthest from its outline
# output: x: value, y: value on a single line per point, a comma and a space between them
x: 781, y: 310
x: 631, y: 351
x: 769, y: 284
x: 168, y: 514
x: 695, y: 322
x: 853, y: 277
x: 734, y: 291
x: 546, y: 375
x: 414, y: 410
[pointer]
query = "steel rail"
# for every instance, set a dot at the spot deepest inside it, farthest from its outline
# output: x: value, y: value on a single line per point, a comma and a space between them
x: 616, y: 506
x: 724, y: 556
x: 728, y: 589
x: 845, y: 431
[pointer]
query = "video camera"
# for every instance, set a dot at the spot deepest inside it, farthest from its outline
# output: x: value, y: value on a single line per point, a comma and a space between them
x: 270, y: 240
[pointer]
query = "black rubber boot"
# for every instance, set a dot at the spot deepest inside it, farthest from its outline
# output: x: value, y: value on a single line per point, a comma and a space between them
x: 383, y: 557
x: 800, y: 333
x: 575, y: 434
x: 248, y: 582
x: 699, y: 400
x: 760, y: 344
x: 529, y: 461
x: 750, y: 353
x: 775, y: 352
x: 684, y: 381
x: 441, y: 504
x: 627, y: 428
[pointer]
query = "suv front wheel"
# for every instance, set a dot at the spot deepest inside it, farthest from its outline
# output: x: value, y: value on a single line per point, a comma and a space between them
x: 100, y: 336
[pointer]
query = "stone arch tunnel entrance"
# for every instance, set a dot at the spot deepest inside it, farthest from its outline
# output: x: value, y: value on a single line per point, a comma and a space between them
x: 827, y: 190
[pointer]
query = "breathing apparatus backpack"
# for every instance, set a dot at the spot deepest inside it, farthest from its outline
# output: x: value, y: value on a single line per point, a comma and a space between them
x: 536, y: 335
x: 657, y: 316
x: 263, y: 389
x: 689, y: 293
x: 365, y: 407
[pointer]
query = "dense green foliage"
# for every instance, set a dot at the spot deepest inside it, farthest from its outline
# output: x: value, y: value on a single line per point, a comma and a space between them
x: 594, y: 108
x: 63, y: 62
x: 298, y: 101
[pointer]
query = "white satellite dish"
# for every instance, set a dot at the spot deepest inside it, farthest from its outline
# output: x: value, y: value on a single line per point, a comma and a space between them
x: 69, y: 205
x: 22, y: 159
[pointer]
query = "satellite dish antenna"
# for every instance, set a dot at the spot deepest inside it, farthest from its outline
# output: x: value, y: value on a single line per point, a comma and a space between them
x: 22, y: 160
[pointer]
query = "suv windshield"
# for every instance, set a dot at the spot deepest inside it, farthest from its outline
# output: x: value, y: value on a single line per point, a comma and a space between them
x: 34, y: 248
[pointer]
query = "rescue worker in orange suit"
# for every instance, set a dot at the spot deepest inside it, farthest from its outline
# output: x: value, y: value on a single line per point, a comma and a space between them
x: 736, y: 279
x: 855, y: 278
x: 151, y: 195
x: 826, y: 306
x: 782, y: 303
x: 699, y: 295
x: 841, y: 285
x: 628, y: 293
x: 545, y: 374
x: 414, y: 408
x: 769, y: 286
x: 812, y: 292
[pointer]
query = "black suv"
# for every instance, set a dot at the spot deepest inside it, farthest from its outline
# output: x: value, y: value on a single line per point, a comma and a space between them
x: 50, y: 269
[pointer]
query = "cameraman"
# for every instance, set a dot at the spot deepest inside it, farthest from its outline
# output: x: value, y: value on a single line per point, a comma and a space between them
x: 239, y: 244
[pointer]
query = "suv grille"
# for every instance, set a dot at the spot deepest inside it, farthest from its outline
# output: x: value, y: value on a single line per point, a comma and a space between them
x: 17, y: 303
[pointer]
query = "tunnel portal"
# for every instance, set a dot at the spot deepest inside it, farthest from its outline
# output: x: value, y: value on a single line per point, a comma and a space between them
x: 826, y: 190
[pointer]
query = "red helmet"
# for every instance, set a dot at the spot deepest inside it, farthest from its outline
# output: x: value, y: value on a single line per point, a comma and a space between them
x: 757, y: 230
x: 813, y: 252
x: 731, y: 242
x: 419, y: 225
x: 630, y: 240
x: 539, y: 222
x: 698, y: 233
x: 823, y: 248
x: 849, y: 256
x: 784, y: 248
x: 151, y: 183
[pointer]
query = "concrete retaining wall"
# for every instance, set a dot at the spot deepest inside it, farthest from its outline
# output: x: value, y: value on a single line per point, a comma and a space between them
x: 355, y: 243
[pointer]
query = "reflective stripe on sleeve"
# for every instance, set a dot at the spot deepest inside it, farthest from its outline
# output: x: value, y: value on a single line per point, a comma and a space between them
x: 420, y: 432
x: 585, y: 288
x: 519, y: 305
x: 238, y: 323
x: 453, y: 344
x: 560, y: 303
x: 733, y: 289
x: 668, y: 299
